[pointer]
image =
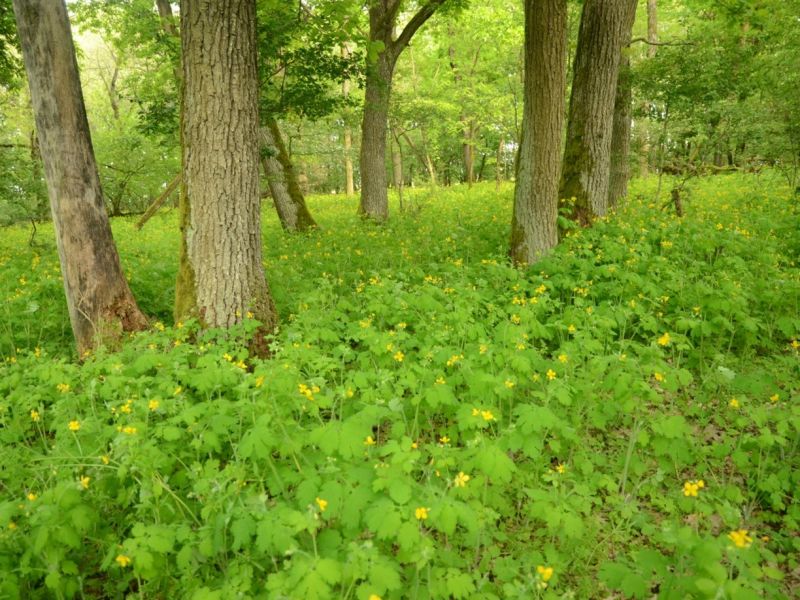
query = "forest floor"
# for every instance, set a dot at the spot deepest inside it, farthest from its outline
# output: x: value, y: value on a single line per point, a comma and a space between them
x: 621, y: 420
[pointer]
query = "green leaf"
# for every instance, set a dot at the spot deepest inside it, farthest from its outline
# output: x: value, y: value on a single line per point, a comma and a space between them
x: 242, y: 530
x: 330, y: 570
x: 399, y: 491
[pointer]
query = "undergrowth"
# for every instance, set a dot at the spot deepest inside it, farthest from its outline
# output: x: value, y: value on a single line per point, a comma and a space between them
x: 621, y: 418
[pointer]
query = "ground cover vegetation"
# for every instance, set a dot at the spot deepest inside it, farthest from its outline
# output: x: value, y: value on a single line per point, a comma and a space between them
x: 434, y: 423
x: 551, y: 350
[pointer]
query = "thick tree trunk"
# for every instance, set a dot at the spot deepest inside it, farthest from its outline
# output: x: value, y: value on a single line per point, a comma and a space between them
x: 374, y: 196
x: 374, y: 202
x: 534, y: 228
x: 101, y: 305
x: 605, y: 25
x: 295, y: 215
x: 221, y: 273
x: 621, y: 135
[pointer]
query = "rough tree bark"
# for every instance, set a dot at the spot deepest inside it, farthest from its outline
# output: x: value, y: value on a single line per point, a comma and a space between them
x: 374, y: 202
x: 289, y: 200
x: 605, y: 25
x: 101, y: 305
x: 621, y: 133
x: 534, y: 228
x: 221, y: 276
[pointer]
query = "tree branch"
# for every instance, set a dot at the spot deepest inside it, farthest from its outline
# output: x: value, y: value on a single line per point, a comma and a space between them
x: 649, y: 43
x: 424, y: 13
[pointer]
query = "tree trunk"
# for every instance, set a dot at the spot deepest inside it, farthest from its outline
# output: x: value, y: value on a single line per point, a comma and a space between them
x: 168, y: 25
x: 288, y: 210
x: 498, y: 169
x: 605, y: 25
x: 621, y: 134
x: 652, y: 48
x: 101, y: 305
x: 374, y: 202
x: 534, y: 228
x: 294, y: 216
x: 349, y: 185
x: 374, y: 197
x: 652, y: 27
x: 221, y: 276
x: 397, y: 167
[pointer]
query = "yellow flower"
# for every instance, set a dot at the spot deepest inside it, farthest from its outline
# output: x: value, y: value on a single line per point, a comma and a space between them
x: 560, y: 468
x: 546, y: 573
x: 444, y: 439
x: 563, y: 358
x: 483, y: 348
x: 122, y: 560
x: 31, y: 496
x: 664, y: 340
x: 773, y: 398
x: 571, y: 328
x: 740, y: 538
x: 795, y: 344
x: 487, y: 415
x: 74, y: 425
x: 734, y: 404
x: 63, y: 387
x: 399, y: 356
x: 509, y: 384
x: 515, y: 319
x: 454, y: 359
x: 461, y: 479
x: 440, y: 380
x: 227, y: 357
x: 177, y: 391
x: 323, y: 504
x: 369, y: 441
x: 153, y: 404
x: 690, y: 488
x: 475, y: 412
x: 658, y: 376
x: 720, y: 226
x: 105, y: 459
x: 128, y: 430
x: 35, y: 416
x: 259, y: 381
x: 374, y: 597
x: 85, y: 481
x: 551, y: 374
x: 421, y: 513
